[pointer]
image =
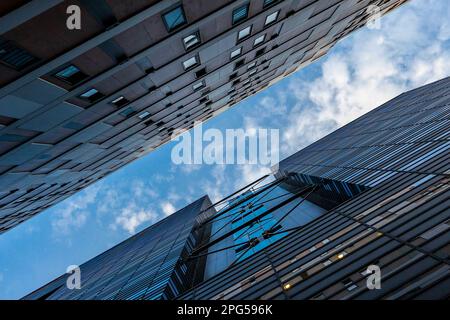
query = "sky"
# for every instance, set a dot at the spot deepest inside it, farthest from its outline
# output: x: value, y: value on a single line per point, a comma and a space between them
x: 410, y: 48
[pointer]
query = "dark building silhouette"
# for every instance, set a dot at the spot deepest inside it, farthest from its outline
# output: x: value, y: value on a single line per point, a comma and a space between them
x: 374, y: 193
x: 76, y: 105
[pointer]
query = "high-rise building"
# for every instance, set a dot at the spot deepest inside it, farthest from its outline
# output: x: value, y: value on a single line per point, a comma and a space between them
x: 89, y: 86
x: 145, y: 266
x: 371, y: 196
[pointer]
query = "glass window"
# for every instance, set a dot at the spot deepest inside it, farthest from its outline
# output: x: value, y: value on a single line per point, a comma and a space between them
x: 127, y: 112
x: 189, y: 63
x: 120, y: 101
x: 236, y: 53
x: 268, y: 3
x: 240, y: 14
x: 191, y: 40
x: 14, y: 56
x: 239, y: 64
x: 251, y: 65
x: 70, y: 74
x: 144, y: 115
x: 91, y: 95
x: 198, y: 85
x: 174, y: 18
x: 244, y: 32
x: 252, y: 72
x: 259, y: 40
x: 271, y: 18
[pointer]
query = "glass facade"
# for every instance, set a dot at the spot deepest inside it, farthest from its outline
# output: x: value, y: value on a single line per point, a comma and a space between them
x: 149, y: 265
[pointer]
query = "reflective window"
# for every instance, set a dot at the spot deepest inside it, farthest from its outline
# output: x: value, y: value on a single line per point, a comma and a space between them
x: 271, y: 18
x: 189, y: 63
x: 244, y: 32
x: 174, y: 18
x: 198, y: 85
x: 236, y: 53
x: 70, y: 74
x: 91, y: 95
x: 191, y: 40
x: 259, y: 40
x: 240, y: 14
x: 120, y: 101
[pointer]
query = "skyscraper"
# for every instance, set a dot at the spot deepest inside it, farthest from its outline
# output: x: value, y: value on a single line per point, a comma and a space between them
x: 373, y: 195
x: 145, y: 266
x: 79, y: 103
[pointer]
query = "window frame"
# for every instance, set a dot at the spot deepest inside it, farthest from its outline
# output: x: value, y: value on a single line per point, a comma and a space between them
x: 197, y: 62
x: 247, y: 9
x: 244, y: 37
x: 197, y: 33
x: 166, y: 12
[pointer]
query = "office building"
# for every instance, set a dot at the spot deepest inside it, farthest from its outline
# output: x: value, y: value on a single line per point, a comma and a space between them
x: 78, y: 104
x: 145, y: 266
x: 373, y: 193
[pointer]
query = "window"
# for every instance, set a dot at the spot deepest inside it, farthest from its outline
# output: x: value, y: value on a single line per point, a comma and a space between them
x: 271, y: 18
x: 71, y: 75
x: 174, y: 18
x: 91, y: 95
x: 200, y: 73
x: 244, y: 33
x: 239, y: 64
x: 198, y: 85
x: 144, y: 115
x: 268, y: 3
x: 233, y: 76
x: 15, y: 57
x: 260, y: 52
x: 252, y: 72
x: 190, y: 63
x: 127, y: 112
x: 240, y: 14
x: 236, y: 53
x: 120, y: 101
x: 259, y: 40
x: 251, y: 65
x: 349, y: 284
x: 191, y: 40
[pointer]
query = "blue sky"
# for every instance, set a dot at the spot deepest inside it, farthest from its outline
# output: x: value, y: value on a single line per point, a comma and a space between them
x: 411, y: 48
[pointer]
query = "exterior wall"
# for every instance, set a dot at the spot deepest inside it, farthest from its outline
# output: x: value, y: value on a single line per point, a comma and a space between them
x: 54, y: 143
x: 400, y: 222
x: 148, y: 265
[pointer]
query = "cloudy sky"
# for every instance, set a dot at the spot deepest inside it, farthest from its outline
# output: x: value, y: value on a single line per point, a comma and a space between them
x: 411, y: 48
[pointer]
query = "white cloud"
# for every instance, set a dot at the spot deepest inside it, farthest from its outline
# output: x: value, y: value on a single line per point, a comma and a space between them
x: 73, y: 213
x: 132, y: 216
x: 167, y: 208
x: 367, y: 69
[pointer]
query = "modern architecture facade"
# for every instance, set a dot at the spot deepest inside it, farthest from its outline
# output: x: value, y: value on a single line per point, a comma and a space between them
x: 373, y: 193
x: 145, y: 266
x: 78, y: 102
